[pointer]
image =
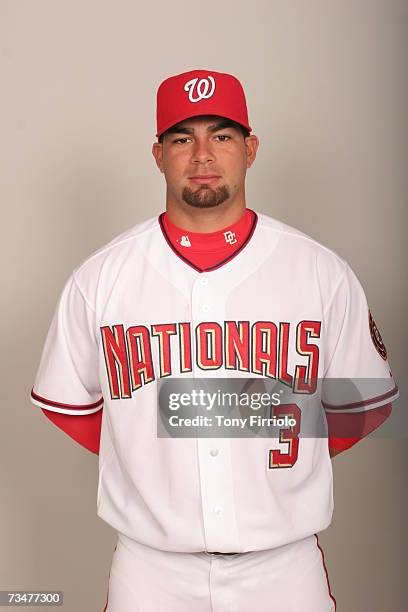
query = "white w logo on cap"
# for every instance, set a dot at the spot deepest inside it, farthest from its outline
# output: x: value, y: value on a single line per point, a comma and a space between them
x: 201, y: 87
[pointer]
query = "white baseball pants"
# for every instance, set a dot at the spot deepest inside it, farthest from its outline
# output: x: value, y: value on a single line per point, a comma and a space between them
x: 291, y: 578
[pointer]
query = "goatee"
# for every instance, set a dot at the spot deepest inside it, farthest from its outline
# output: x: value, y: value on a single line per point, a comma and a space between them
x: 205, y: 196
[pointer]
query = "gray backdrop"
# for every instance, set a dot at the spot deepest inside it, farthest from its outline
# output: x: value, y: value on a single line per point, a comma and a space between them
x: 326, y: 83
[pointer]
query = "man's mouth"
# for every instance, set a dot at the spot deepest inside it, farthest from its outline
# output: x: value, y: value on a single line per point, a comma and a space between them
x: 204, y: 179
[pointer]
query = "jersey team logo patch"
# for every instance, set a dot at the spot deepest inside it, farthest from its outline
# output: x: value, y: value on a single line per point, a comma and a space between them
x: 376, y: 337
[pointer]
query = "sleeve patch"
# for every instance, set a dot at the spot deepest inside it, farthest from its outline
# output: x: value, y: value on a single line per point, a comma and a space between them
x: 376, y: 338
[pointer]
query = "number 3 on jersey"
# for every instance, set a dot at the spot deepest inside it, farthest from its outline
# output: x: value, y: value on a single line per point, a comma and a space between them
x: 288, y: 436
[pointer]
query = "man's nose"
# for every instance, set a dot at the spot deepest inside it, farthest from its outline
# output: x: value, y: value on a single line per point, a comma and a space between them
x: 202, y: 152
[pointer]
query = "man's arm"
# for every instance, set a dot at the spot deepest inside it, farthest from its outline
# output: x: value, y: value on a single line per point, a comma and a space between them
x: 345, y: 429
x: 84, y: 429
x: 67, y: 386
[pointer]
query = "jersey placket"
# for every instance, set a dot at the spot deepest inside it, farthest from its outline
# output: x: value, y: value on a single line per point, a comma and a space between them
x: 213, y: 454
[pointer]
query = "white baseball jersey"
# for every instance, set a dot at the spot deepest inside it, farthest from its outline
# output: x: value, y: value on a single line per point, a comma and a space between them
x: 284, y: 307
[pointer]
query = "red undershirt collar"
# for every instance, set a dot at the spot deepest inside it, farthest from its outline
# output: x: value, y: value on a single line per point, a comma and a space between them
x: 223, y: 241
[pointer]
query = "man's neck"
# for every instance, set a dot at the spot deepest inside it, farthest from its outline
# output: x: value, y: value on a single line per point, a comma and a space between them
x: 205, y: 220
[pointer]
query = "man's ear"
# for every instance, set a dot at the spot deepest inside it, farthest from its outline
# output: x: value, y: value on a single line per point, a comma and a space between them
x: 251, y: 145
x: 157, y: 150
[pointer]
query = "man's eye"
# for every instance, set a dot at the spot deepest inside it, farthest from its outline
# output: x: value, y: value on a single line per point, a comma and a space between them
x: 223, y: 137
x: 180, y: 140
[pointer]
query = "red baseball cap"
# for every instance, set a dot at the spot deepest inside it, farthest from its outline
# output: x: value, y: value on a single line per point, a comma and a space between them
x: 200, y: 92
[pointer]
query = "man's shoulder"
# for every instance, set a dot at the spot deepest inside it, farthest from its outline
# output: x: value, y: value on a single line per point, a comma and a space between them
x: 299, y: 242
x: 119, y: 245
x: 108, y: 259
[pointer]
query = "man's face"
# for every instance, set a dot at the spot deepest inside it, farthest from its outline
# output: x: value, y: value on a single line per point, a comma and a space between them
x: 204, y: 162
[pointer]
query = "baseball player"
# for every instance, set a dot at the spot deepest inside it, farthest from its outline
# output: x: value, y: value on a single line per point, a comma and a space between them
x: 211, y: 289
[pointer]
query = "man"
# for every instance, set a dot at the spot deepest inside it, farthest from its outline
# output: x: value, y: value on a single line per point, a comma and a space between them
x: 211, y: 289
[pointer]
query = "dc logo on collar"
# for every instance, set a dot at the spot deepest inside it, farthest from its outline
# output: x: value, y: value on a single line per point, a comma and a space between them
x: 202, y: 87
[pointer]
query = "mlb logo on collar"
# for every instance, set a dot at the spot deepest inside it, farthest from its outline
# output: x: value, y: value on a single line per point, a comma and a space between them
x: 229, y: 237
x: 185, y: 241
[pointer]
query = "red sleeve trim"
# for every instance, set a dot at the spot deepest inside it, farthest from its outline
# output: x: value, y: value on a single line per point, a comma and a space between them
x: 78, y: 407
x: 342, y: 444
x: 374, y: 400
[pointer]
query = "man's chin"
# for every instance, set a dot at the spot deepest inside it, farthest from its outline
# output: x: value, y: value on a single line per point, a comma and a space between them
x: 205, y: 196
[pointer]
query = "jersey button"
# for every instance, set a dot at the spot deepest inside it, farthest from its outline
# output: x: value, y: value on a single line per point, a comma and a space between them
x: 206, y: 308
x: 204, y: 281
x: 218, y: 510
x: 214, y: 452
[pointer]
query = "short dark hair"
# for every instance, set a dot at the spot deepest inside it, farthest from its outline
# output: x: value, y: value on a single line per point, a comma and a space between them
x: 225, y: 124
